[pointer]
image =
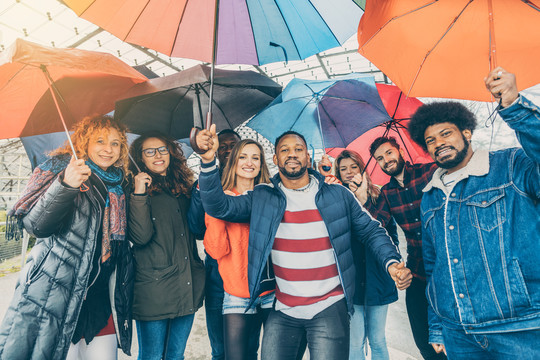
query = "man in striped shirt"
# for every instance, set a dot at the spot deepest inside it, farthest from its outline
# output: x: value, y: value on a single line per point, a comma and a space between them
x: 301, y: 229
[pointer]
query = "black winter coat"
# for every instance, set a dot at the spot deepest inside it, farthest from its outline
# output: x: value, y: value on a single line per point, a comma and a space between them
x: 42, y: 316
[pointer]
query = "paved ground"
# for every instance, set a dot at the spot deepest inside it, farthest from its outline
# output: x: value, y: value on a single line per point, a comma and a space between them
x: 399, y: 337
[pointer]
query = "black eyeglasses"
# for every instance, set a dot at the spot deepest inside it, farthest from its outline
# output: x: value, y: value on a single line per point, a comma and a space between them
x: 151, y: 152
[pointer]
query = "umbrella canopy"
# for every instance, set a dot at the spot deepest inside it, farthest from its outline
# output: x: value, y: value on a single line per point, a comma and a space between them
x: 87, y: 82
x: 400, y: 108
x: 172, y: 104
x: 248, y: 32
x: 304, y: 106
x: 445, y: 48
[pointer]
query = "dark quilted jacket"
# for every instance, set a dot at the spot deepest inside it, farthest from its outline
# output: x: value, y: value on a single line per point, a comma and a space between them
x: 42, y: 316
x: 264, y: 207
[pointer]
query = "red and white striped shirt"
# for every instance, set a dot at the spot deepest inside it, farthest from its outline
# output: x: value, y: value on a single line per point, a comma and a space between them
x: 305, y: 266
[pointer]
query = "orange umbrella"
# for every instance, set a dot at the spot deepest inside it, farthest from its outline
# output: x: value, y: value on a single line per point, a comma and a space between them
x: 84, y: 83
x: 445, y: 48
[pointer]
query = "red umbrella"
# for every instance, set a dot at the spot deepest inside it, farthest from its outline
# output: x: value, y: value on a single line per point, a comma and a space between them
x: 400, y: 108
x: 84, y: 83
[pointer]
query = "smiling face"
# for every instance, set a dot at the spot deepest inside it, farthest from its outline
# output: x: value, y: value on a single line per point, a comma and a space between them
x: 292, y: 157
x: 249, y: 162
x: 448, y: 146
x: 104, y: 148
x: 159, y: 163
x: 347, y: 169
x: 389, y: 159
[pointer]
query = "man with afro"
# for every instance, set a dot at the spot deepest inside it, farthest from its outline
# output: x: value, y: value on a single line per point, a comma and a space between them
x: 481, y: 223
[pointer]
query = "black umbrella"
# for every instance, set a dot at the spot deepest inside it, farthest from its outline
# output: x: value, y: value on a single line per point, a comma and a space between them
x: 174, y: 104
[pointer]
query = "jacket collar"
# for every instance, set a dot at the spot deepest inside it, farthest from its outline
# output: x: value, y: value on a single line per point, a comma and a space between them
x: 478, y: 166
x: 276, y: 179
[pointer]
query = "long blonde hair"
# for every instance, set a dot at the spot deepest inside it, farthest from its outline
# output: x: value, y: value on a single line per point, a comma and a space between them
x: 90, y: 127
x: 373, y: 190
x: 228, y: 179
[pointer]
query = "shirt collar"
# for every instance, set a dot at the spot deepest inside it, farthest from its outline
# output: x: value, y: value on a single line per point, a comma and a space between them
x: 478, y: 166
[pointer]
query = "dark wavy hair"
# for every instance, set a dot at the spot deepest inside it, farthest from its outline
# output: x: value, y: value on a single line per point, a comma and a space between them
x: 179, y: 178
x: 436, y: 113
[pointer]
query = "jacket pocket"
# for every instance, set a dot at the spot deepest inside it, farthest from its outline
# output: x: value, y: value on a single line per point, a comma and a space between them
x: 518, y: 288
x: 487, y: 210
x: 156, y: 291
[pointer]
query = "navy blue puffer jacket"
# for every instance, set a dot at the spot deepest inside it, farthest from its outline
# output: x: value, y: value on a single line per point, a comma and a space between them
x: 264, y: 207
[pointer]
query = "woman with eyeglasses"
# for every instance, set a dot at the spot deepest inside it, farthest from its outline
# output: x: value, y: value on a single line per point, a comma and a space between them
x: 169, y: 280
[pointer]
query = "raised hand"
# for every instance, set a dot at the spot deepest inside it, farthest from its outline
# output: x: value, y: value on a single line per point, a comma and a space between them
x: 359, y: 186
x: 502, y: 86
x: 142, y: 181
x: 76, y: 173
x: 207, y: 140
x: 325, y: 165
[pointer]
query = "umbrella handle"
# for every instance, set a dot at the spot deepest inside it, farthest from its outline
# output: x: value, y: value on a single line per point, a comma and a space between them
x: 195, y: 131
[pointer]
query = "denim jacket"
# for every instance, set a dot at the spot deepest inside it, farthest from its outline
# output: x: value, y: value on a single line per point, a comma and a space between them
x: 481, y: 239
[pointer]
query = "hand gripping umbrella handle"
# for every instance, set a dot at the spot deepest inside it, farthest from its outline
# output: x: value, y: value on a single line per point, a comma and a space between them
x: 195, y: 131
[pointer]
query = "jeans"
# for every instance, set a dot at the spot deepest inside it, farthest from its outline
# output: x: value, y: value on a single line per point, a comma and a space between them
x: 522, y: 345
x: 213, y: 304
x: 417, y: 310
x: 152, y: 335
x: 237, y: 305
x: 327, y: 335
x: 368, y: 322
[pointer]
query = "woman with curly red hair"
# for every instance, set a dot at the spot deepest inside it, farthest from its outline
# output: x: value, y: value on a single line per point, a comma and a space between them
x: 74, y: 296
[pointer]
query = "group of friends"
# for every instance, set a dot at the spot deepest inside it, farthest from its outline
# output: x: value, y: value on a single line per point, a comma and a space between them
x: 309, y: 257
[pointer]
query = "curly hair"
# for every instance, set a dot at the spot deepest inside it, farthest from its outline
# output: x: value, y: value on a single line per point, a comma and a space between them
x: 90, y: 127
x: 179, y: 178
x: 228, y: 179
x: 373, y: 190
x: 436, y: 113
x: 382, y: 140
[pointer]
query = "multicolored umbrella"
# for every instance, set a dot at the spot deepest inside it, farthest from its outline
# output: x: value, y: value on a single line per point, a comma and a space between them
x: 445, y: 48
x: 329, y: 113
x: 244, y: 31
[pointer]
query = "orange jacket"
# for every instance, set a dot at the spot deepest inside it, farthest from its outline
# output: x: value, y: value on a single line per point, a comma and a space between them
x: 228, y: 243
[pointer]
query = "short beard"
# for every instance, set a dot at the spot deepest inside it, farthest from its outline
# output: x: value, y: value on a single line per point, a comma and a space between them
x: 293, y: 175
x: 460, y: 156
x: 399, y: 167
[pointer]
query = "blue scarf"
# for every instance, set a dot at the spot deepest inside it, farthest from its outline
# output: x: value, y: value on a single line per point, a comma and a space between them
x: 114, y: 215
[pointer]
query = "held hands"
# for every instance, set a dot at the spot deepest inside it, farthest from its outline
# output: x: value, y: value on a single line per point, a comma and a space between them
x: 400, y: 274
x: 142, y: 181
x: 76, y: 173
x: 502, y: 86
x: 208, y: 140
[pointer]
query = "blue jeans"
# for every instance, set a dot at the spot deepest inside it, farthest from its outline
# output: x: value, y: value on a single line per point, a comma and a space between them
x: 327, y: 335
x: 368, y: 322
x: 522, y: 345
x: 213, y: 305
x: 152, y: 334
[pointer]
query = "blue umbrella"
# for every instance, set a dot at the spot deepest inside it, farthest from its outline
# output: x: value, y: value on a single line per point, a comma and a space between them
x: 329, y: 113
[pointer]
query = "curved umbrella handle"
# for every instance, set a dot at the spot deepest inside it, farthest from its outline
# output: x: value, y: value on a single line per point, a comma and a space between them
x: 195, y: 131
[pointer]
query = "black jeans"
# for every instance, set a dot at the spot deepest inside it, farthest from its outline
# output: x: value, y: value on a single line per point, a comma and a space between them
x: 417, y: 307
x: 327, y: 335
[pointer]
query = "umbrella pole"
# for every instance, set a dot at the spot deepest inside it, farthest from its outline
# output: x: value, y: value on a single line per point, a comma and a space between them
x: 53, y: 90
x: 195, y: 131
